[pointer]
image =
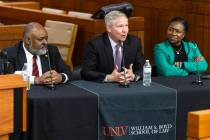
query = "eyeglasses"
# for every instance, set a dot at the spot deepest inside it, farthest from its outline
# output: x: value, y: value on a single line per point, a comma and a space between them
x: 173, y: 30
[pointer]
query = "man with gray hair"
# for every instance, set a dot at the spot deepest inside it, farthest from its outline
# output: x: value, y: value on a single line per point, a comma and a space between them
x: 33, y: 51
x: 113, y: 56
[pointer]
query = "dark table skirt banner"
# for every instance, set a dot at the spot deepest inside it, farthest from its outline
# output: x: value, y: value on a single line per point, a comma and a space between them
x: 134, y: 113
x: 61, y: 114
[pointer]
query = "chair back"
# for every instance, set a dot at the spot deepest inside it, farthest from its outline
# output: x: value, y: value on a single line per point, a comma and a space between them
x: 53, y: 11
x: 10, y: 34
x: 62, y: 34
x: 80, y: 15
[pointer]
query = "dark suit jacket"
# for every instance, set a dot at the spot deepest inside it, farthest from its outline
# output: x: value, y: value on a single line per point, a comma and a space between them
x: 17, y: 57
x: 99, y: 61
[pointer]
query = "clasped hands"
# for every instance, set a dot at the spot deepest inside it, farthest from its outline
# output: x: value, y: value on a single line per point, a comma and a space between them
x: 49, y: 77
x: 198, y: 58
x: 125, y: 76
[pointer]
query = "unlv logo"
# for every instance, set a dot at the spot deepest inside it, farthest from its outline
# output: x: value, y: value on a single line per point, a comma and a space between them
x: 115, y: 131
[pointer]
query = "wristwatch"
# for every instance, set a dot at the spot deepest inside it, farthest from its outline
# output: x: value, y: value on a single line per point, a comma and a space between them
x: 63, y: 78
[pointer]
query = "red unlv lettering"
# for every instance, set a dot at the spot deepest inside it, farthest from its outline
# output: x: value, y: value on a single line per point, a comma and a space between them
x: 115, y: 131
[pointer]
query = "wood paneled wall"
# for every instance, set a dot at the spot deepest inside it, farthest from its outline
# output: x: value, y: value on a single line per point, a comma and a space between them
x: 88, y: 28
x: 157, y: 14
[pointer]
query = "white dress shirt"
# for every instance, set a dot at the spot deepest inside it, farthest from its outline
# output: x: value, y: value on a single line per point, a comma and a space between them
x: 29, y: 59
x: 113, y: 44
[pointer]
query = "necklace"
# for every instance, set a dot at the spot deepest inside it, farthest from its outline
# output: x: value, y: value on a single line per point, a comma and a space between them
x: 178, y: 51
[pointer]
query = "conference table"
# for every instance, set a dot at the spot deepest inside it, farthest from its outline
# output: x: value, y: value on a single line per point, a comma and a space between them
x: 66, y: 113
x: 105, y: 111
x: 63, y: 112
x: 190, y: 97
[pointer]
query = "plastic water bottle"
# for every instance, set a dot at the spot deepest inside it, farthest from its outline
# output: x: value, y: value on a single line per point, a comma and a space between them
x: 25, y: 75
x: 147, y: 70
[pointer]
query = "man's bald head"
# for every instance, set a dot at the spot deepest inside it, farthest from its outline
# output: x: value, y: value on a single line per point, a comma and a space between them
x: 32, y: 27
x: 35, y: 38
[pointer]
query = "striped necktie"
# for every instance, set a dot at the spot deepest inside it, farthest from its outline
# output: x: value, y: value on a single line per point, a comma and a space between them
x: 35, y: 71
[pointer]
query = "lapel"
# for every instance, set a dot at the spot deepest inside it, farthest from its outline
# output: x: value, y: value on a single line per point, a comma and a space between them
x: 126, y: 52
x: 44, y: 63
x: 186, y: 48
x: 190, y: 49
x: 170, y: 52
x: 21, y: 56
x: 108, y: 51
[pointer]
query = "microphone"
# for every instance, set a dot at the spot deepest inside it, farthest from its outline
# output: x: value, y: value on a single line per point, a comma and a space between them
x: 124, y: 84
x: 198, y: 79
x: 5, y: 66
x: 2, y: 62
x: 52, y: 85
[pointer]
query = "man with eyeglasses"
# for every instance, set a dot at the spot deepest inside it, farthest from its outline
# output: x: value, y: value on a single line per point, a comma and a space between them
x: 175, y: 56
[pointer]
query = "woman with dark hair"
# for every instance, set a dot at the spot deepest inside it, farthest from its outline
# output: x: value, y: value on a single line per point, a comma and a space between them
x: 175, y: 56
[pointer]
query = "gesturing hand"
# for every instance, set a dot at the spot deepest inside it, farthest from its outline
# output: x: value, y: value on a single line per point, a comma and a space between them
x: 115, y: 76
x: 128, y: 74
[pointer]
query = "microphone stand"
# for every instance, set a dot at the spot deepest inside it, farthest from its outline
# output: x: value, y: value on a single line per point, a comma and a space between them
x: 52, y: 85
x: 5, y: 64
x: 7, y: 68
x: 1, y: 62
x: 124, y: 84
x: 198, y: 80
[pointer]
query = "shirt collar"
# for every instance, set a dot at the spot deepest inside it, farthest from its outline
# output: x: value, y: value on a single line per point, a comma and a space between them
x: 113, y: 43
x: 26, y: 51
x: 29, y: 55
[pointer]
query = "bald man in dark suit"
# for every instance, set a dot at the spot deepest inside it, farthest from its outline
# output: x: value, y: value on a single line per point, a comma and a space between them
x: 35, y: 44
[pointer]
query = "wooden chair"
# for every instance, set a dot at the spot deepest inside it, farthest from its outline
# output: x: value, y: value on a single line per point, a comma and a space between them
x: 62, y: 34
x: 10, y: 34
x: 80, y: 15
x: 53, y: 11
